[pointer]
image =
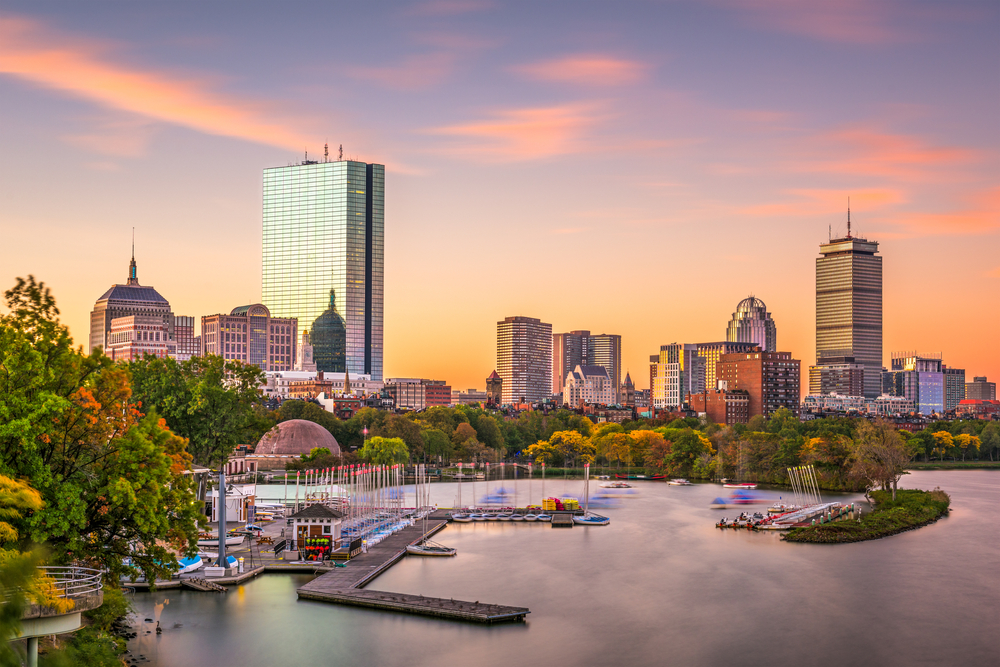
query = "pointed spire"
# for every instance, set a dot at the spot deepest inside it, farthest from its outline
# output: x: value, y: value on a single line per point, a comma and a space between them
x: 347, y: 381
x: 133, y: 274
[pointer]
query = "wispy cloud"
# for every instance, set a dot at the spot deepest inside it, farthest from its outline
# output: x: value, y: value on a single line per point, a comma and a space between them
x: 448, y: 7
x: 586, y: 69
x: 980, y: 215
x: 31, y: 51
x: 118, y: 135
x: 844, y: 21
x: 414, y: 73
x: 868, y: 151
x: 802, y: 203
x: 524, y: 134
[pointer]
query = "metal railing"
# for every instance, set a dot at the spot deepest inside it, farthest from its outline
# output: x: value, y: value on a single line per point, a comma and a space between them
x: 72, y: 581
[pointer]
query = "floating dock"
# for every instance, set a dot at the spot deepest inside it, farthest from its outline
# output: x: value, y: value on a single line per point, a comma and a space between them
x: 343, y: 585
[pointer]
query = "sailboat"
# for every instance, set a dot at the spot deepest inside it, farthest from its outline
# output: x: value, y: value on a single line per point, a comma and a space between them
x: 589, y: 519
x: 460, y: 515
x: 423, y: 546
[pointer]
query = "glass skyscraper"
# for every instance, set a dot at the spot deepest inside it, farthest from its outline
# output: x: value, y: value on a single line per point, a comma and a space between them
x: 848, y: 312
x: 323, y: 260
x: 751, y: 323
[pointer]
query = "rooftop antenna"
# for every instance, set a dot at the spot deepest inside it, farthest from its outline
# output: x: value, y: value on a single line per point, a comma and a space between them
x: 848, y: 217
x: 133, y: 244
x: 340, y: 154
x: 326, y: 152
x: 307, y: 155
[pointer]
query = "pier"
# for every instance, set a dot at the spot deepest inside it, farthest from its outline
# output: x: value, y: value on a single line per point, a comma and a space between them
x: 343, y: 585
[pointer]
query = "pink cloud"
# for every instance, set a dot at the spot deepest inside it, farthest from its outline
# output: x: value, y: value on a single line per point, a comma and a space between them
x: 591, y: 70
x: 981, y: 215
x: 30, y: 51
x: 524, y: 134
x: 843, y: 21
x: 414, y: 73
x: 811, y: 202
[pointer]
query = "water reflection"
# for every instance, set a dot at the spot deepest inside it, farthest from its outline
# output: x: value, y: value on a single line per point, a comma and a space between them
x: 659, y: 585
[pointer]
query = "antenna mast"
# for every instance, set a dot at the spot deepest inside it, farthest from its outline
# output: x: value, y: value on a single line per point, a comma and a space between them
x: 340, y: 154
x: 848, y: 217
x: 326, y: 152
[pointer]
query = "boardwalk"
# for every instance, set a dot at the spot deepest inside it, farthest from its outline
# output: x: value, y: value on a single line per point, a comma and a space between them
x: 343, y: 585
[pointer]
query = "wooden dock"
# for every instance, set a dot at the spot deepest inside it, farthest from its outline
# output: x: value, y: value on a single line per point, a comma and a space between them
x: 562, y: 520
x: 204, y: 585
x: 343, y: 585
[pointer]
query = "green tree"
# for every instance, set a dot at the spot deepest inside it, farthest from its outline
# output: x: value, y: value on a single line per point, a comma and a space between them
x: 437, y: 444
x: 990, y: 439
x: 403, y: 428
x: 211, y: 401
x: 880, y: 455
x: 488, y: 433
x: 111, y: 480
x: 385, y: 451
x: 296, y: 409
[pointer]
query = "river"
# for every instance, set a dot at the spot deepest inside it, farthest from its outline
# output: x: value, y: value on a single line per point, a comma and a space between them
x: 660, y: 585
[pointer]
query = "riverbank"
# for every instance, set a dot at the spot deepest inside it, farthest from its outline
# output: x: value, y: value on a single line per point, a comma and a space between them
x: 953, y: 465
x: 911, y: 509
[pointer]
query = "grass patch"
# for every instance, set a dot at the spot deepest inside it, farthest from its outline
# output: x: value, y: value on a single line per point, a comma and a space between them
x: 953, y: 465
x: 911, y: 509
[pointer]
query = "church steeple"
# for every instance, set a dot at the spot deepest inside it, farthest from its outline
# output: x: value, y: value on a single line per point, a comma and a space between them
x: 133, y: 276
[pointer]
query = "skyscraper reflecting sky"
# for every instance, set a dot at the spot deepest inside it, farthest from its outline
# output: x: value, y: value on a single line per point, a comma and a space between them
x: 751, y: 323
x: 323, y: 258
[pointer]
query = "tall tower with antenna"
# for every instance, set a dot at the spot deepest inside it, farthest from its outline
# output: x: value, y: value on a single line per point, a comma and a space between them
x: 848, y: 317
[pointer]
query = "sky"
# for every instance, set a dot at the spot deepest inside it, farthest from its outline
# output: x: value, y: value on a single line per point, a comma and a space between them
x: 635, y: 168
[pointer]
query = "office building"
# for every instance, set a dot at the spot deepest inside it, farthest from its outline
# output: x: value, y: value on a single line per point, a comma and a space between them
x: 323, y: 257
x: 674, y: 373
x: 751, y: 323
x: 954, y: 386
x: 770, y: 378
x: 589, y: 385
x: 125, y: 301
x: 711, y: 352
x: 883, y: 406
x: 135, y: 336
x: 251, y: 335
x: 918, y: 378
x: 841, y: 379
x: 186, y: 344
x: 581, y: 348
x: 980, y: 390
x: 418, y: 394
x: 849, y: 311
x: 469, y: 397
x: 524, y: 359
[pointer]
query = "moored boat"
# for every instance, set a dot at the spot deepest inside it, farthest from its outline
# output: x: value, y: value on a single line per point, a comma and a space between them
x: 531, y: 517
x: 189, y: 564
x: 740, y: 485
x: 477, y: 516
x: 213, y: 540
x: 544, y: 517
x: 489, y: 516
x: 429, y: 549
x: 646, y: 477
x: 679, y: 482
x: 517, y: 517
x: 461, y: 517
x: 616, y: 485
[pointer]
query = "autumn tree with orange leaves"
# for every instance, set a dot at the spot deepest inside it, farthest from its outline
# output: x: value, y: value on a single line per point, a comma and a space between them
x: 110, y: 477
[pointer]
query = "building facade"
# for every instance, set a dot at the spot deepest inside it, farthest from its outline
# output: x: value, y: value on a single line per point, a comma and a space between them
x: 125, y: 301
x: 581, y: 348
x: 187, y: 345
x: 323, y: 258
x: 494, y: 390
x: 981, y: 390
x: 711, y: 352
x: 883, y: 406
x: 954, y: 386
x: 918, y: 378
x: 134, y: 336
x: 467, y: 397
x: 723, y: 406
x: 304, y: 354
x: 751, y: 323
x: 849, y: 310
x: 251, y: 335
x: 841, y: 379
x: 589, y: 385
x: 626, y: 393
x: 772, y: 380
x: 524, y: 359
x: 418, y: 394
x: 678, y: 370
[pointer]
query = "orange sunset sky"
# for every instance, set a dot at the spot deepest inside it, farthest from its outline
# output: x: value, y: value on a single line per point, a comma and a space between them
x: 631, y: 168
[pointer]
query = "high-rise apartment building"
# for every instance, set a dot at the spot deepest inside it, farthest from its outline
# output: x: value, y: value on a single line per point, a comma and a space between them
x: 581, y: 348
x: 751, y: 323
x: 711, y: 352
x: 848, y: 311
x: 249, y: 334
x: 772, y: 380
x: 589, y: 385
x: 678, y: 370
x: 980, y: 390
x: 954, y: 386
x: 125, y: 301
x: 524, y: 359
x: 323, y: 259
x: 418, y: 394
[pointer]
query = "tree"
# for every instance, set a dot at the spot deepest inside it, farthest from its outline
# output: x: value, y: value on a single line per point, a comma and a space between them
x: 880, y: 455
x: 110, y: 478
x: 488, y: 433
x: 943, y: 442
x: 310, y: 411
x: 757, y: 424
x: 964, y: 441
x: 436, y: 443
x: 208, y: 400
x: 407, y: 430
x: 990, y: 438
x: 573, y: 446
x: 544, y: 452
x: 687, y: 449
x: 385, y: 451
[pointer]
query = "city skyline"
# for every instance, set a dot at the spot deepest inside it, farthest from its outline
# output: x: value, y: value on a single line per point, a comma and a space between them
x: 746, y: 130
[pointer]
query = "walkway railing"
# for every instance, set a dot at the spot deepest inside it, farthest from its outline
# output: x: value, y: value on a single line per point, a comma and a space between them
x: 72, y: 581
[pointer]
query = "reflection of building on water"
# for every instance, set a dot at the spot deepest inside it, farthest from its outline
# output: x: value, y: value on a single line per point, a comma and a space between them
x: 329, y: 340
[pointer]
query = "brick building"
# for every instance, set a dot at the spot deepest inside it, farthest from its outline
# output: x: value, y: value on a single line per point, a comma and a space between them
x: 770, y: 378
x: 723, y: 406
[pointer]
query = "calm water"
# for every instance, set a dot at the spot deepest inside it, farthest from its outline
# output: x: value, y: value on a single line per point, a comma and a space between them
x: 660, y: 585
